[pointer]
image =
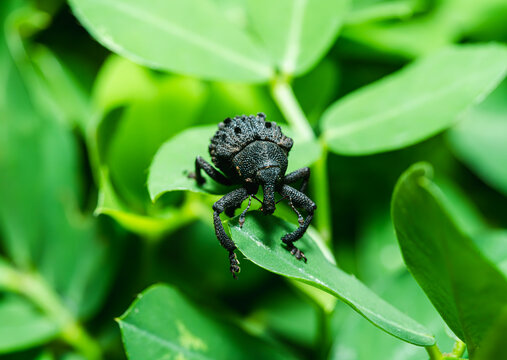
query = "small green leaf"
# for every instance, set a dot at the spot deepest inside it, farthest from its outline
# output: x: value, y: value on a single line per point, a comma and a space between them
x: 260, y: 241
x: 161, y: 323
x: 151, y: 226
x: 297, y: 33
x: 415, y: 103
x: 466, y: 288
x: 481, y: 139
x: 22, y: 326
x: 176, y: 159
x: 189, y: 37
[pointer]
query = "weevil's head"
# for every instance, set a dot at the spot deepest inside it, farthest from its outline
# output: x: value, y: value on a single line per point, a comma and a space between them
x: 269, y: 178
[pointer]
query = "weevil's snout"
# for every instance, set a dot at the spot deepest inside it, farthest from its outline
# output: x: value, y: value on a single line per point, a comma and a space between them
x: 268, y: 177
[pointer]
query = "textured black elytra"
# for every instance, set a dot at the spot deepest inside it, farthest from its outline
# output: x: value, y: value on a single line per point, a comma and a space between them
x: 252, y: 152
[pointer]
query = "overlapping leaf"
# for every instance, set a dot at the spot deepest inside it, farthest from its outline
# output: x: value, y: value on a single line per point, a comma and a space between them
x: 259, y: 240
x: 466, y: 288
x: 415, y: 103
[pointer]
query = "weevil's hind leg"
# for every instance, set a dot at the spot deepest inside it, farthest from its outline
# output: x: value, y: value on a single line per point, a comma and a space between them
x: 303, y: 173
x: 230, y: 200
x: 213, y: 173
x: 299, y: 200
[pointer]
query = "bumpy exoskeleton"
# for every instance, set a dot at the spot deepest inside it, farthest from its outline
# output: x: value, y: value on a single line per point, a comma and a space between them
x: 253, y: 152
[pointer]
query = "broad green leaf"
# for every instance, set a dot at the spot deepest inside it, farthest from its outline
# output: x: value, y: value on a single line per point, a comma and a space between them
x: 188, y: 37
x: 481, y: 139
x: 296, y: 33
x: 415, y: 103
x: 22, y: 326
x: 466, y: 288
x: 162, y: 323
x: 260, y: 241
x: 176, y: 159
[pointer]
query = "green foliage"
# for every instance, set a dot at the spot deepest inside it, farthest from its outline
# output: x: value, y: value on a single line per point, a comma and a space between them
x: 415, y: 103
x: 259, y: 240
x: 104, y: 106
x: 163, y: 323
x: 481, y: 139
x: 467, y: 289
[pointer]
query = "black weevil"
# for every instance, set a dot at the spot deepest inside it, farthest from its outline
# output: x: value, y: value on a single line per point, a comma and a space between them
x: 253, y: 152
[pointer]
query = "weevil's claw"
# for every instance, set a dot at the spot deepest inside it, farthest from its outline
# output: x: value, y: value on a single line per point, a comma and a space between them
x: 200, y: 180
x: 297, y: 253
x: 234, y: 268
x: 241, y: 221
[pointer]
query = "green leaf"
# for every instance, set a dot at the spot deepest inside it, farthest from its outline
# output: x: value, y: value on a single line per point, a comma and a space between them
x: 176, y: 159
x: 493, y: 346
x: 189, y: 37
x: 466, y: 288
x: 162, y: 323
x: 260, y: 241
x: 481, y: 139
x: 401, y: 290
x: 415, y: 103
x: 297, y: 33
x: 151, y: 226
x: 22, y: 326
x: 143, y: 127
x: 42, y: 226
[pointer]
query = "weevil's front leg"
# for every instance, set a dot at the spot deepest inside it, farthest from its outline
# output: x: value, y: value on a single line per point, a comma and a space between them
x: 213, y: 173
x: 230, y: 200
x: 300, y: 200
x: 303, y: 173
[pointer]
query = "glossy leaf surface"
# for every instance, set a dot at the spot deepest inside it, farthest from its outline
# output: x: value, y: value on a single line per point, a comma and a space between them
x: 260, y: 241
x: 162, y: 323
x: 188, y: 37
x: 466, y: 288
x: 296, y: 33
x: 414, y: 103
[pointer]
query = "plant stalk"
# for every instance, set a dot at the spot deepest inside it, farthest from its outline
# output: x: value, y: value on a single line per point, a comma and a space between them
x: 459, y: 348
x: 289, y: 106
x: 434, y: 352
x: 33, y: 287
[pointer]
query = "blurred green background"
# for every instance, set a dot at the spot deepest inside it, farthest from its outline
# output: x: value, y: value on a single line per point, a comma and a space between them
x: 86, y: 102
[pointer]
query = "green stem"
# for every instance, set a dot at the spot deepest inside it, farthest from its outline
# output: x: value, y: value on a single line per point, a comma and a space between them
x: 320, y: 187
x: 33, y: 287
x: 459, y: 348
x: 290, y: 108
x: 434, y: 352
